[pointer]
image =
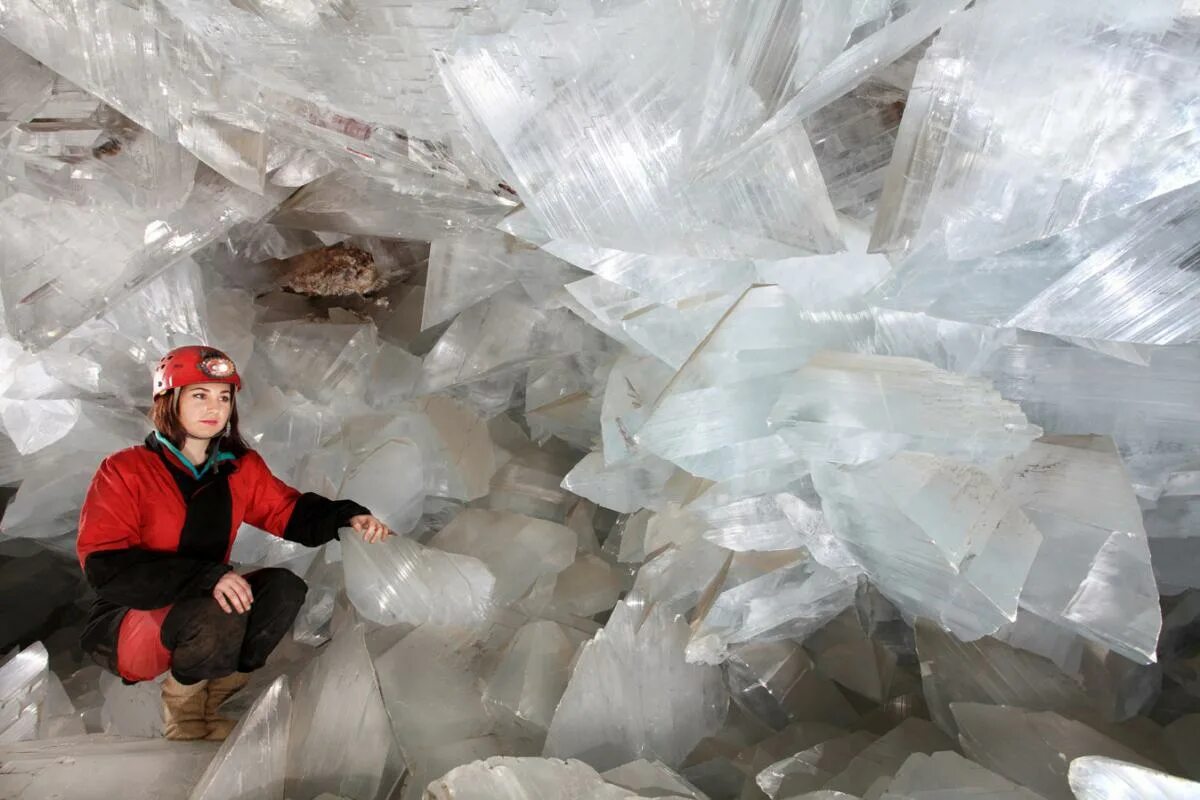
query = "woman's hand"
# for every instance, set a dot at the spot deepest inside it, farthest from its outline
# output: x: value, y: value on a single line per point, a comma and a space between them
x: 371, y: 529
x: 233, y: 593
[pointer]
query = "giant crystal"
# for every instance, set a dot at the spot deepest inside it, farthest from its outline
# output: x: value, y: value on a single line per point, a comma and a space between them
x: 55, y: 279
x: 986, y: 162
x: 547, y: 117
x: 940, y: 538
x: 664, y: 707
x: 848, y: 347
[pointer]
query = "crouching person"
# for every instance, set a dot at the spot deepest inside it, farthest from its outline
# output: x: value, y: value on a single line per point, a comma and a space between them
x: 155, y: 534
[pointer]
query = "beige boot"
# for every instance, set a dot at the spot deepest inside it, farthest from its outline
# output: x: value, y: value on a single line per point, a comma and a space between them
x: 220, y: 690
x: 183, y: 709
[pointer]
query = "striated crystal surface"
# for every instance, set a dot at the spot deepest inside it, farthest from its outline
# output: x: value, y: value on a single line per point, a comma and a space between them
x: 399, y: 580
x: 55, y: 277
x: 984, y: 166
x: 253, y: 760
x: 433, y: 699
x: 1095, y: 777
x: 80, y: 767
x: 516, y: 549
x: 786, y: 600
x: 532, y: 675
x: 887, y: 755
x: 336, y: 700
x: 523, y: 779
x: 939, y: 538
x: 839, y: 359
x: 1093, y: 572
x: 639, y: 190
x: 1032, y: 748
x: 945, y: 772
x: 858, y: 408
x: 663, y: 705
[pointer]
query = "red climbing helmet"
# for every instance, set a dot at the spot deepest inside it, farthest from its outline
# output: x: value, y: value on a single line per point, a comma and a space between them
x: 194, y: 364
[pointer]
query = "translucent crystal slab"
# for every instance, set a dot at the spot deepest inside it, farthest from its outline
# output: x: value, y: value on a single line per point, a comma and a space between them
x: 624, y: 487
x: 1171, y: 525
x: 24, y: 88
x: 23, y: 680
x: 516, y: 549
x: 679, y: 576
x: 390, y: 482
x: 938, y: 538
x: 788, y: 602
x: 718, y: 433
x: 336, y: 355
x: 530, y: 483
x: 990, y: 671
x: 76, y: 148
x: 177, y: 308
x: 844, y: 652
x: 532, y: 675
x: 1032, y: 171
x: 428, y: 682
x: 131, y: 710
x: 253, y: 760
x: 853, y: 138
x: 778, y: 684
x: 462, y: 271
x: 413, y: 206
x: 605, y: 305
x: 937, y: 774
x: 546, y: 117
x: 82, y: 767
x: 498, y: 335
x: 886, y: 755
x: 810, y: 769
x: 1122, y: 278
x: 34, y: 424
x: 1093, y: 572
x: 1150, y: 412
x: 774, y: 48
x: 564, y: 398
x: 662, y: 279
x: 1096, y: 777
x: 336, y: 700
x: 652, y: 779
x: 268, y: 103
x: 852, y: 409
x: 887, y: 39
x: 632, y: 695
x: 523, y: 779
x: 1031, y: 748
x: 672, y: 331
x: 825, y: 282
x: 400, y: 581
x: 457, y: 455
x: 56, y: 277
x: 753, y: 523
x: 56, y: 478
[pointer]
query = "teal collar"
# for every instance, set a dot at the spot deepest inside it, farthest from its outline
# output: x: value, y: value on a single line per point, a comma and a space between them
x: 216, y: 458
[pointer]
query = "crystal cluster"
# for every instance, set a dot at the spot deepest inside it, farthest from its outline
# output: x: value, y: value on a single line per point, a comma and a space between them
x: 771, y: 398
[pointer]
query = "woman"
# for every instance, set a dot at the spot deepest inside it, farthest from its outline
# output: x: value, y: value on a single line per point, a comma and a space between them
x: 155, y: 534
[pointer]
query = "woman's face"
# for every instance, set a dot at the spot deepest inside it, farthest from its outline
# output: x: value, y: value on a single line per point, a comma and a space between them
x: 204, y: 408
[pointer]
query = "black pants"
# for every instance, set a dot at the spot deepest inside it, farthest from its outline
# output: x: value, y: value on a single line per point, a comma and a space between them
x: 206, y: 642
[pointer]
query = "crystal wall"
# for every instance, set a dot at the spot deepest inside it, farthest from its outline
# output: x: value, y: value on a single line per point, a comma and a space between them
x: 774, y: 398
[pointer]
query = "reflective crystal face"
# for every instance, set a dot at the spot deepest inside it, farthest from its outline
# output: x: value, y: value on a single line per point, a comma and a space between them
x: 784, y: 397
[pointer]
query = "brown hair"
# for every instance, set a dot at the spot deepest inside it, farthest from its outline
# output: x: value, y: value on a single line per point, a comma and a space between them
x: 165, y: 416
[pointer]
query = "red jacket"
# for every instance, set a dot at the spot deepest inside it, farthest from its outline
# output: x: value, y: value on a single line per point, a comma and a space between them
x: 134, y: 501
x: 154, y: 529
